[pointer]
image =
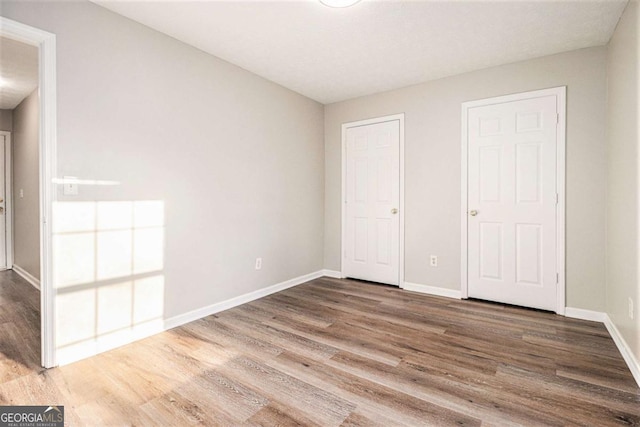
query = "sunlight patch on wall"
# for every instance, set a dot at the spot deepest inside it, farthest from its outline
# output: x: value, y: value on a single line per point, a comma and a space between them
x: 108, y: 274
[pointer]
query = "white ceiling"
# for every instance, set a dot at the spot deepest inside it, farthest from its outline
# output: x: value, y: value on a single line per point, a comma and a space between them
x: 335, y: 54
x: 18, y: 72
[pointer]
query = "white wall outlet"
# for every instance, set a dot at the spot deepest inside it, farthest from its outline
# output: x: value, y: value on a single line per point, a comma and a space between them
x: 631, y: 308
x: 70, y: 186
x: 433, y: 260
x: 258, y: 263
x: 21, y: 193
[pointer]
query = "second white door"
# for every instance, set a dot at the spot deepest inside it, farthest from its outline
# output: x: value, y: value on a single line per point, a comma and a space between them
x: 512, y: 202
x: 372, y: 220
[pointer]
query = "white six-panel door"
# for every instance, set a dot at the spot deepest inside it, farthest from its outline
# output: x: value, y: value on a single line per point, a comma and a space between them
x: 372, y: 201
x: 512, y: 202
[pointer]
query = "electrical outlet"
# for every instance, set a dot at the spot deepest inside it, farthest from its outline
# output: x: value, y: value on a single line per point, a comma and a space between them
x: 21, y: 193
x: 258, y: 263
x: 631, y: 308
x: 433, y: 261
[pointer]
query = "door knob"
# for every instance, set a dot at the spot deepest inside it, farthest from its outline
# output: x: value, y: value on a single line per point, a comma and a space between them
x: 394, y: 211
x: 473, y: 213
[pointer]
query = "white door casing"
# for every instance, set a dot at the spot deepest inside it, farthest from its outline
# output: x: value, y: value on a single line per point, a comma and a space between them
x: 3, y: 217
x: 46, y: 43
x: 513, y: 224
x: 372, y: 214
x: 5, y: 205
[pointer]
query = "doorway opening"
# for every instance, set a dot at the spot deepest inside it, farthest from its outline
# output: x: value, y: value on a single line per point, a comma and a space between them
x: 33, y: 165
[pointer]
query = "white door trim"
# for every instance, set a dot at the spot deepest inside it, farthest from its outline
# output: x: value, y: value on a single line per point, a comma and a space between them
x: 343, y: 198
x: 560, y: 93
x: 46, y: 43
x: 8, y: 198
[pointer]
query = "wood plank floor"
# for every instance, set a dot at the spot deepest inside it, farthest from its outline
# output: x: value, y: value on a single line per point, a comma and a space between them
x: 19, y: 327
x: 331, y: 353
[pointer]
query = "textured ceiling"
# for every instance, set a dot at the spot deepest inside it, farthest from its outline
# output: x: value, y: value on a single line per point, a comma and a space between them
x: 18, y: 72
x: 335, y: 54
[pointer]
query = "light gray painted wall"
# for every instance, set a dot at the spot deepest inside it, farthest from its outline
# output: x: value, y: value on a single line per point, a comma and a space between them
x: 235, y: 161
x: 623, y: 114
x: 26, y: 173
x: 6, y: 118
x: 432, y: 165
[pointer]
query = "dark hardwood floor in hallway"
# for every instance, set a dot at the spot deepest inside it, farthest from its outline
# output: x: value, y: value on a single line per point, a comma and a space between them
x: 335, y: 352
x: 19, y: 327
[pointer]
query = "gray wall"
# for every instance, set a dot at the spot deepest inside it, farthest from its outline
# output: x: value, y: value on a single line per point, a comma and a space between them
x: 6, y: 118
x: 231, y: 164
x: 432, y: 166
x: 26, y: 172
x: 623, y: 188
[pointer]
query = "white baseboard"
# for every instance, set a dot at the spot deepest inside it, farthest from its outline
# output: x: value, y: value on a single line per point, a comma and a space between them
x: 582, y: 314
x: 87, y: 349
x: 190, y: 316
x: 627, y: 354
x: 332, y: 273
x: 117, y: 339
x: 598, y: 316
x: 432, y: 290
x: 105, y: 342
x: 26, y: 276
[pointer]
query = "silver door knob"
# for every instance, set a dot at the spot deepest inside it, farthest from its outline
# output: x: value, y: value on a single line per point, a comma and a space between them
x: 473, y: 213
x: 394, y: 211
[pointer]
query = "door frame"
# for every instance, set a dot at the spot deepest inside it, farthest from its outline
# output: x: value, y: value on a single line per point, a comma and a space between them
x: 8, y: 197
x: 343, y: 199
x: 46, y: 43
x: 561, y: 94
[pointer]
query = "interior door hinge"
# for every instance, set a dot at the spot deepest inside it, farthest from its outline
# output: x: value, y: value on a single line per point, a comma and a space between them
x: 557, y: 278
x: 557, y: 118
x: 557, y: 198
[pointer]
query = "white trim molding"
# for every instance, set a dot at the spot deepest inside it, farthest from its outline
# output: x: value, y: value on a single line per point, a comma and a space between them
x: 117, y: 339
x: 46, y: 43
x: 8, y: 198
x: 26, y: 276
x: 632, y: 362
x: 400, y: 118
x: 199, y: 313
x: 91, y: 347
x: 624, y: 349
x: 432, y: 290
x: 560, y: 93
x: 332, y: 273
x: 582, y: 314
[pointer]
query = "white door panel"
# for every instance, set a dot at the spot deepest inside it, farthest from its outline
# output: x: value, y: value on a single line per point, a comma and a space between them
x: 512, y: 170
x: 372, y: 229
